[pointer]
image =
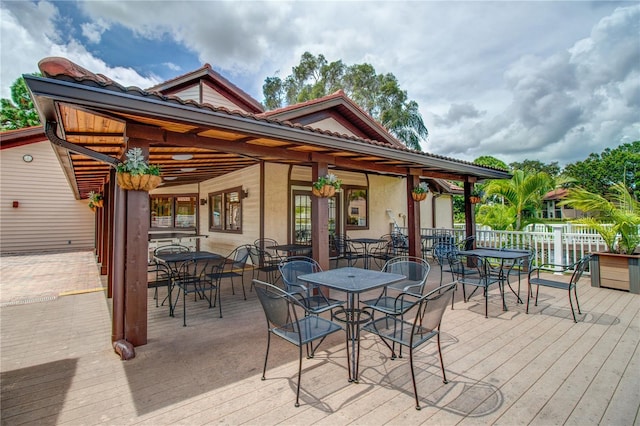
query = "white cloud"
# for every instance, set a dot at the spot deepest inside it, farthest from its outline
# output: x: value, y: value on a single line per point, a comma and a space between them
x: 552, y: 81
x: 93, y: 30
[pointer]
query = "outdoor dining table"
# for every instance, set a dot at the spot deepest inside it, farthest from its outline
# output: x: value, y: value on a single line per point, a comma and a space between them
x: 352, y: 281
x: 366, y: 247
x: 174, y: 260
x: 501, y: 255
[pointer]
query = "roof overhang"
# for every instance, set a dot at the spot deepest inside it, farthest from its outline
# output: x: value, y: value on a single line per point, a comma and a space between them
x: 103, y: 117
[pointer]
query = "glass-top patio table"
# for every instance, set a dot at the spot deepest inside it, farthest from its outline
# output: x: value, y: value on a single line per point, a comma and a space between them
x: 502, y: 255
x: 352, y: 281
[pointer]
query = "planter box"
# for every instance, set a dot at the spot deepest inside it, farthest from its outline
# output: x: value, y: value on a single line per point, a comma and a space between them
x: 617, y: 271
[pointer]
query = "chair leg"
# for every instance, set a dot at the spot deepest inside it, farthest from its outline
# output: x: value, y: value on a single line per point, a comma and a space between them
x: 413, y: 379
x: 571, y: 304
x: 297, y: 404
x: 444, y: 375
x: 266, y: 356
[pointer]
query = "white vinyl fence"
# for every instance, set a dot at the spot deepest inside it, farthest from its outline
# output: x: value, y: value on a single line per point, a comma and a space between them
x: 558, y: 244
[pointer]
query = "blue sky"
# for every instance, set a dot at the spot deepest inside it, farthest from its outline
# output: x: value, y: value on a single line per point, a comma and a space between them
x: 543, y: 80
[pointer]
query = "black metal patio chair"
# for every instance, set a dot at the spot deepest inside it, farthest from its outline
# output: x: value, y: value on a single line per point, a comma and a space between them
x: 191, y: 278
x: 312, y: 296
x: 548, y: 281
x: 474, y: 271
x: 291, y: 320
x: 418, y: 322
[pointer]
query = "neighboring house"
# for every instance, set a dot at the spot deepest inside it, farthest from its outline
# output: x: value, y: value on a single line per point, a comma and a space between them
x: 551, y: 209
x: 232, y: 171
x: 38, y: 211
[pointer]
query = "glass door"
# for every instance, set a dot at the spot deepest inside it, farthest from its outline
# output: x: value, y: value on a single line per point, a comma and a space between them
x: 301, y: 217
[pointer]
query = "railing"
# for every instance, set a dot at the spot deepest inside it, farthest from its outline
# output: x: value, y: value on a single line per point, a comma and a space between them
x: 555, y: 246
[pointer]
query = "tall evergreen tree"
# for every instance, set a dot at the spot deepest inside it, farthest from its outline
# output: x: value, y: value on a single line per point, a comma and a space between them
x: 377, y: 94
x: 21, y: 112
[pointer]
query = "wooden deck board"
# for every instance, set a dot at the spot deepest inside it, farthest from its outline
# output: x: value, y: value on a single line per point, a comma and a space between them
x: 58, y: 366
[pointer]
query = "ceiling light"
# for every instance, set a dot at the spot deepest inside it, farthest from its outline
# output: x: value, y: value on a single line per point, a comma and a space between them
x: 182, y: 157
x: 170, y: 178
x: 188, y: 169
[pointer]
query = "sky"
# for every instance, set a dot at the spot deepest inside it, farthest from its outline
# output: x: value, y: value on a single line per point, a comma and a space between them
x: 540, y: 80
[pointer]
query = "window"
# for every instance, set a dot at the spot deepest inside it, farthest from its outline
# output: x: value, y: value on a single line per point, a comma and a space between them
x: 174, y: 211
x: 357, y: 207
x: 225, y: 210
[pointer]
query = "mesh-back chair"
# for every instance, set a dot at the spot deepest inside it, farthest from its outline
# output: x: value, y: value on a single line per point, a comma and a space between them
x: 475, y: 272
x: 547, y: 281
x: 345, y: 249
x: 159, y: 275
x: 441, y: 252
x: 262, y: 261
x: 415, y: 269
x: 264, y: 244
x: 171, y: 248
x: 289, y: 319
x: 190, y: 278
x: 418, y: 323
x: 383, y: 251
x: 233, y: 266
x: 312, y: 297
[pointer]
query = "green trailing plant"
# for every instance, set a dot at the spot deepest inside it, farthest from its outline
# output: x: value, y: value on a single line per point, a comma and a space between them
x: 615, y: 217
x: 136, y: 165
x: 95, y: 197
x: 422, y: 188
x: 329, y: 179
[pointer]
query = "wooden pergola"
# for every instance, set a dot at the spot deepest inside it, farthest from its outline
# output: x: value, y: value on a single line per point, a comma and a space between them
x: 92, y: 121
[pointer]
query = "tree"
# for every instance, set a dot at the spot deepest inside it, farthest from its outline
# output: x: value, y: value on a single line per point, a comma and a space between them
x: 21, y: 112
x: 617, y: 214
x: 489, y: 161
x: 535, y: 166
x: 497, y: 216
x: 524, y: 191
x: 599, y: 172
x: 377, y: 94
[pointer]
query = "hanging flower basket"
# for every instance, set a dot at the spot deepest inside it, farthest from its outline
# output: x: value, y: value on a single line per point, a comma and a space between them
x: 135, y: 174
x: 419, y: 193
x: 95, y: 200
x: 421, y: 196
x: 324, y: 192
x: 474, y: 199
x: 138, y: 182
x: 326, y: 186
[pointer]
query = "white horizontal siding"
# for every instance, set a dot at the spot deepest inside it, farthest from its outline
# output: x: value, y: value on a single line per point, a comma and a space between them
x: 48, y: 216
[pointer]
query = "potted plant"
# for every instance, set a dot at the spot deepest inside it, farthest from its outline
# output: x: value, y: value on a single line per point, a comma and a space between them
x: 95, y: 199
x: 419, y: 193
x: 476, y: 195
x: 616, y: 218
x: 135, y: 174
x: 326, y: 186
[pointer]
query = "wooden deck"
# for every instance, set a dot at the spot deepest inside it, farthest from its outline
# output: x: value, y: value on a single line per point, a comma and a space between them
x: 58, y: 367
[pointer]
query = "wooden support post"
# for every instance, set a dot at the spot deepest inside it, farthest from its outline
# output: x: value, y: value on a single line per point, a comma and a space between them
x: 413, y: 218
x: 117, y: 266
x: 320, y: 221
x: 469, y: 211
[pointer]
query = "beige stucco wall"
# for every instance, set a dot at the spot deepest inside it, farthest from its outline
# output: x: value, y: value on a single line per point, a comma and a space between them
x: 225, y: 242
x: 385, y: 194
x: 48, y: 218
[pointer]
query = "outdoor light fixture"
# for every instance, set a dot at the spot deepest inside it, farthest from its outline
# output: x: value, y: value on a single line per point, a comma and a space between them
x: 203, y: 201
x: 188, y: 169
x: 182, y: 157
x: 27, y: 158
x: 245, y: 193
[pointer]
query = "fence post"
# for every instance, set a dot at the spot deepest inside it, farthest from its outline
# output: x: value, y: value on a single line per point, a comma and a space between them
x: 557, y: 247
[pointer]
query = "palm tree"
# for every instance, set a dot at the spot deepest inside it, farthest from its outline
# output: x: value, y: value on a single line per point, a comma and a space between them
x: 524, y: 191
x: 617, y: 215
